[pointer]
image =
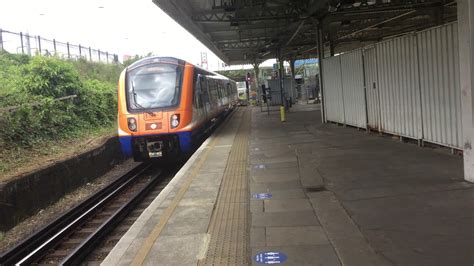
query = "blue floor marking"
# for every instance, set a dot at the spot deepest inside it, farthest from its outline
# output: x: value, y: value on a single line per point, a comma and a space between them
x: 261, y: 195
x: 270, y: 257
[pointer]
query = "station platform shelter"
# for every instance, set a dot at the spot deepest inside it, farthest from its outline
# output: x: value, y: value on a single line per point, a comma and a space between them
x: 401, y: 67
x: 322, y: 188
x: 304, y: 192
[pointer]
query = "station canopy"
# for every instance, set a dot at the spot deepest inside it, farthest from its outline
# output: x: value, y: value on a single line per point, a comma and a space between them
x: 251, y: 31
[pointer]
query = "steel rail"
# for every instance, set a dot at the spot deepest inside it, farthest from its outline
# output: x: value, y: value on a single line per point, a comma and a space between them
x: 84, y: 249
x: 32, y: 247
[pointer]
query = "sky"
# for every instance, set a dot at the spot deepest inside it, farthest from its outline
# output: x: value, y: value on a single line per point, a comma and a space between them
x: 122, y: 27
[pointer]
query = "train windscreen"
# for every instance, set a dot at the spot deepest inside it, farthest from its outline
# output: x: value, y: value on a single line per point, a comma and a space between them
x: 154, y: 86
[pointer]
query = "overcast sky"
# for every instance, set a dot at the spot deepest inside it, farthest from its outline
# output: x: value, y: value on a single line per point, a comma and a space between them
x: 122, y: 27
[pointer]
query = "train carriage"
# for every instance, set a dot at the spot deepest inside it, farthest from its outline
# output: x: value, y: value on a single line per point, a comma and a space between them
x: 165, y: 106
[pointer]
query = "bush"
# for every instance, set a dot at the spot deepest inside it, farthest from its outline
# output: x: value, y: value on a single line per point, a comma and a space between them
x: 32, y: 90
x: 9, y: 71
x: 50, y: 77
x: 31, y: 124
x: 98, y: 71
x: 98, y: 106
x: 13, y: 59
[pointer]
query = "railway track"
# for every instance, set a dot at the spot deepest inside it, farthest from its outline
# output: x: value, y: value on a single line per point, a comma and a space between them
x: 110, y: 241
x: 69, y: 239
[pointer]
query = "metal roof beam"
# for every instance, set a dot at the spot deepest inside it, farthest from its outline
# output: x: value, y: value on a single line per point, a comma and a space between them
x: 379, y: 11
x: 377, y: 24
x: 239, y: 40
x: 247, y: 14
x: 241, y: 45
x: 247, y: 27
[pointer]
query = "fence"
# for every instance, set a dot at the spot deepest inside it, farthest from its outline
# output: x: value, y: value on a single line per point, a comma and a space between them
x: 23, y: 43
x: 407, y: 86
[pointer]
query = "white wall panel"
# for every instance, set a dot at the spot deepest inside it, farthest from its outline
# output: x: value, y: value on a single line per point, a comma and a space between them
x: 333, y: 97
x: 352, y: 71
x: 408, y: 86
x: 274, y: 85
x: 372, y: 88
x: 439, y: 79
x: 399, y: 87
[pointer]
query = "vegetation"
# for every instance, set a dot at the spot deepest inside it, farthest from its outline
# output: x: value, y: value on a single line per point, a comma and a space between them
x: 134, y: 59
x: 48, y: 100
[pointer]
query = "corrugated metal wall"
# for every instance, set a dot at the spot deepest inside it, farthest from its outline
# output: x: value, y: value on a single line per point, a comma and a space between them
x: 372, y: 88
x: 439, y: 80
x: 290, y: 88
x: 410, y: 86
x: 399, y: 86
x: 352, y: 71
x: 333, y: 97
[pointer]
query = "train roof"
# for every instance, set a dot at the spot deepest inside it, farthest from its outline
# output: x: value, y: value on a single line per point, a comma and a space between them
x: 173, y: 60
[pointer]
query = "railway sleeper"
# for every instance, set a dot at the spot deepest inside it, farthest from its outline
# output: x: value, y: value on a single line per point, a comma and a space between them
x: 55, y: 256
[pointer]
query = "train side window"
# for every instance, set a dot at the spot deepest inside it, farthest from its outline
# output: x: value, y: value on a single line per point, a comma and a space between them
x: 204, y: 89
x: 210, y: 89
x: 214, y: 90
x: 219, y: 91
x: 222, y: 90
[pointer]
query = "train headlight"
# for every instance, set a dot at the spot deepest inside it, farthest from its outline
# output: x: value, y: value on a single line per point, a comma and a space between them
x: 132, y: 124
x: 175, y: 121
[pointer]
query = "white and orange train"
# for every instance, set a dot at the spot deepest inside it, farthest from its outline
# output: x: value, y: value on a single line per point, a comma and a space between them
x: 166, y: 106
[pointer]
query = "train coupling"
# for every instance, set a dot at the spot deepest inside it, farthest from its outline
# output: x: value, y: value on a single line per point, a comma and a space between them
x: 154, y: 149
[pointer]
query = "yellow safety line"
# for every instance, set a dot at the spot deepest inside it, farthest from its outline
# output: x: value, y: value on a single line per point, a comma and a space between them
x: 150, y: 240
x: 228, y: 228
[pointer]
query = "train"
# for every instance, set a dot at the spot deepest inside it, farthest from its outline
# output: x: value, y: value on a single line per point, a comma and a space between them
x: 166, y: 106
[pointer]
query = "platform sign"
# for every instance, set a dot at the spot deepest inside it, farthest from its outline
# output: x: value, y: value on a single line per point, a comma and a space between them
x: 262, y: 195
x: 260, y: 166
x: 270, y: 257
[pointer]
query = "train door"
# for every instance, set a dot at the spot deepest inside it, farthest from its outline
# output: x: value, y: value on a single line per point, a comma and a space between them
x: 227, y: 94
x: 221, y: 94
x: 213, y: 98
x: 205, y: 96
x: 198, y: 100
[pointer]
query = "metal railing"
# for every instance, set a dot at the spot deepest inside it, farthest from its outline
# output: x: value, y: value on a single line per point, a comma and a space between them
x: 23, y: 43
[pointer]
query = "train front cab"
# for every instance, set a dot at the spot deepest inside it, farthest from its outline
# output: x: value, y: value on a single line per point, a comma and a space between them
x: 155, y: 108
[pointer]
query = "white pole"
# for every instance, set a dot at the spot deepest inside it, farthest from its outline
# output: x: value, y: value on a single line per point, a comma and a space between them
x: 466, y: 62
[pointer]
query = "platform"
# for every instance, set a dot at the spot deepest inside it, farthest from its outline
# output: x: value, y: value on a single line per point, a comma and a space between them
x: 305, y: 193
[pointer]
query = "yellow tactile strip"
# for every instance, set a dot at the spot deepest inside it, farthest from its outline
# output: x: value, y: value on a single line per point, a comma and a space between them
x: 149, y: 241
x: 229, y: 230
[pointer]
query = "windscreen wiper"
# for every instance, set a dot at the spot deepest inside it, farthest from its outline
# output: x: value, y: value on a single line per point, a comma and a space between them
x: 137, y: 105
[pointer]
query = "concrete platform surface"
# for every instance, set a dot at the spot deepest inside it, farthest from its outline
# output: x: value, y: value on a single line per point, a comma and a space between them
x: 306, y: 193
